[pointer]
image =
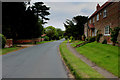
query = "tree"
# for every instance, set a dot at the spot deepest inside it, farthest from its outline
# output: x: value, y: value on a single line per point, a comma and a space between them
x: 20, y: 22
x: 75, y: 27
x: 50, y: 31
x: 41, y: 11
x: 60, y: 32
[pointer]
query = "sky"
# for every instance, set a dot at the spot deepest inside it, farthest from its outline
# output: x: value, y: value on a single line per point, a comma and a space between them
x: 60, y: 11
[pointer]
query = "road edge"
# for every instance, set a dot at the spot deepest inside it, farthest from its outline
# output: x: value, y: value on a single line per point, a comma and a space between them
x: 69, y: 74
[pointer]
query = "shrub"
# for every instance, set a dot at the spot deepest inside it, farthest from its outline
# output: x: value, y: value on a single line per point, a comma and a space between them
x: 104, y: 41
x: 92, y: 39
x: 2, y: 41
x: 98, y: 37
x: 83, y: 37
x: 66, y: 37
x: 114, y: 34
x: 46, y: 38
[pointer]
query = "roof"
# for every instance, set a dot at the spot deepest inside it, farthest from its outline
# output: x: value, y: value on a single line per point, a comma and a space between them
x: 103, y: 6
x: 91, y: 26
x: 43, y: 35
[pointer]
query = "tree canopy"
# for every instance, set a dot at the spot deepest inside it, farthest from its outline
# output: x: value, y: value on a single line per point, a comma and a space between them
x: 21, y: 22
x: 75, y: 27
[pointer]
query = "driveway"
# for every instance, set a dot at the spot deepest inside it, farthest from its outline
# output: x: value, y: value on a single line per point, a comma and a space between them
x: 40, y: 61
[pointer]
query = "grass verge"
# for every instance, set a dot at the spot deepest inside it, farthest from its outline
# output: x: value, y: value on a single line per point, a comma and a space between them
x: 44, y: 42
x: 78, y: 68
x: 6, y: 50
x: 74, y: 43
x: 103, y: 55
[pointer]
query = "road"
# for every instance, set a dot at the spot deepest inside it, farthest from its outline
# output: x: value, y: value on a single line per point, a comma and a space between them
x: 40, y: 61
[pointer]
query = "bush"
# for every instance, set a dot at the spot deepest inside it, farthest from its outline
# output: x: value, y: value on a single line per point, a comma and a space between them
x: 46, y: 38
x: 104, y: 42
x: 66, y: 37
x: 2, y: 41
x: 114, y: 34
x: 92, y: 39
x: 98, y: 37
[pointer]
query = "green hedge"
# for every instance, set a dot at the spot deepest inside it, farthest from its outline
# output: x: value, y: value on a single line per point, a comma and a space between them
x: 2, y: 41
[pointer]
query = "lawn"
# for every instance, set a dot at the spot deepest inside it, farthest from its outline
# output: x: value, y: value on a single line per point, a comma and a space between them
x: 76, y: 65
x: 6, y: 50
x: 44, y: 42
x: 104, y: 55
x: 74, y: 43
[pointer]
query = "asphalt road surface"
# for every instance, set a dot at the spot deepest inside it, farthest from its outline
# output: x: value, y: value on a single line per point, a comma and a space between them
x: 41, y: 61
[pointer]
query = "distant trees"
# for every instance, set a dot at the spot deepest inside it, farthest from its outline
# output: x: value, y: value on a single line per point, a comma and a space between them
x: 21, y: 22
x: 75, y: 27
x: 53, y: 33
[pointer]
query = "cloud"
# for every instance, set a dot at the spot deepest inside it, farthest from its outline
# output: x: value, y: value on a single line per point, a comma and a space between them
x: 60, y: 11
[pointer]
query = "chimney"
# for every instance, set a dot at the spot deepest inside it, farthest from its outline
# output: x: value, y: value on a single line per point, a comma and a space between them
x: 98, y: 6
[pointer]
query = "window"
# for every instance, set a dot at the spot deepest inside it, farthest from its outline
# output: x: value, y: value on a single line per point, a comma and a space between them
x: 107, y: 30
x: 104, y: 13
x: 97, y: 17
x: 90, y: 21
x: 93, y: 19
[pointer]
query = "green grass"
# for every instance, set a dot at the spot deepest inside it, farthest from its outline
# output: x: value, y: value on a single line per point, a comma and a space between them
x: 74, y: 43
x: 76, y: 65
x: 6, y: 50
x: 104, y: 55
x: 45, y: 42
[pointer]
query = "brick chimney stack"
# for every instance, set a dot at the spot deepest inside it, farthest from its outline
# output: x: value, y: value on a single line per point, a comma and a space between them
x: 98, y: 6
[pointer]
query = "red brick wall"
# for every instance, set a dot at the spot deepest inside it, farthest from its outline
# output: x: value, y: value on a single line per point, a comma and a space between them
x: 112, y: 19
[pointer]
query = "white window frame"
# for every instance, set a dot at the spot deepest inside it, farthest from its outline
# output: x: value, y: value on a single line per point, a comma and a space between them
x: 108, y: 33
x: 90, y: 21
x: 97, y: 17
x: 104, y: 13
x: 93, y: 19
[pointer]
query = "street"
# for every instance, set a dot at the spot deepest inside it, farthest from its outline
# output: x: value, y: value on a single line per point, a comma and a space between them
x: 40, y: 61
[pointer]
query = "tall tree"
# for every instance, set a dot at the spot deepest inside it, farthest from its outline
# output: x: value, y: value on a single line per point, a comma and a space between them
x: 75, y: 27
x: 41, y: 11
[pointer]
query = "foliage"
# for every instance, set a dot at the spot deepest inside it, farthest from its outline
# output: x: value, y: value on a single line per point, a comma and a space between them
x: 21, y: 22
x: 2, y: 41
x: 114, y: 34
x: 83, y: 37
x: 41, y: 10
x: 104, y: 41
x: 75, y: 27
x: 46, y: 38
x: 50, y: 31
x: 78, y: 68
x: 98, y: 36
x: 92, y: 39
x: 53, y: 33
x: 104, y: 55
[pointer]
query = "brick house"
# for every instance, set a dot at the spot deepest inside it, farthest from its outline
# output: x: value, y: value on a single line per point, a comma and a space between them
x: 105, y: 17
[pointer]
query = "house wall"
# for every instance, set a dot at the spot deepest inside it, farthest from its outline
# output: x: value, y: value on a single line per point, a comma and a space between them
x: 112, y: 19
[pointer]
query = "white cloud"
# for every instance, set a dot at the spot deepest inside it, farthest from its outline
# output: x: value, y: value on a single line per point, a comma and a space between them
x: 60, y: 11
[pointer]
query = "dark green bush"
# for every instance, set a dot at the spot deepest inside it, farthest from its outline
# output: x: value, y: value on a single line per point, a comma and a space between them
x: 98, y: 37
x: 66, y: 37
x: 104, y: 42
x: 46, y: 38
x: 92, y: 39
x: 2, y: 41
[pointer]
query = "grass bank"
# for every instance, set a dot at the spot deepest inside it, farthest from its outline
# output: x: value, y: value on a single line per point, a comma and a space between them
x: 76, y: 65
x: 6, y: 50
x: 45, y: 42
x: 104, y: 55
